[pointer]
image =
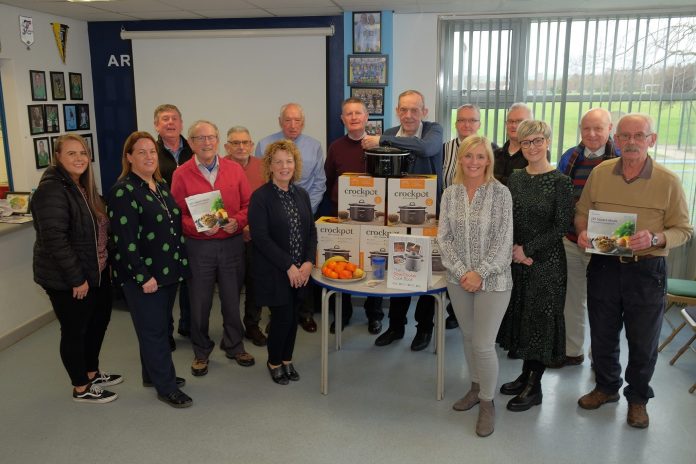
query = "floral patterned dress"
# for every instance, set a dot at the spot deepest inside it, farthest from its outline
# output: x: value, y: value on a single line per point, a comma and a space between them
x: 533, y: 327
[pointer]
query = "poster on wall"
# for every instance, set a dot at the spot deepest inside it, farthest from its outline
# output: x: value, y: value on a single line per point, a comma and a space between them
x: 90, y: 145
x: 373, y: 98
x: 70, y: 117
x: 75, y: 86
x: 38, y: 85
x: 367, y: 70
x: 58, y: 85
x: 83, y: 117
x: 37, y: 122
x: 26, y: 30
x: 41, y: 153
x: 367, y: 32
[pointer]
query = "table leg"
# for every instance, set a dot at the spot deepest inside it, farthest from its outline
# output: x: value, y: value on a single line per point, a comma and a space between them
x: 440, y: 344
x: 338, y: 318
x: 325, y: 341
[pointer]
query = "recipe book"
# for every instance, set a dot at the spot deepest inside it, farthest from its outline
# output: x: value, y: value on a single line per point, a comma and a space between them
x: 207, y: 210
x: 609, y: 233
x: 410, y: 261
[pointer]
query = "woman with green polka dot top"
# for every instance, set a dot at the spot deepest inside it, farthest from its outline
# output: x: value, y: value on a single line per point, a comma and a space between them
x: 150, y: 260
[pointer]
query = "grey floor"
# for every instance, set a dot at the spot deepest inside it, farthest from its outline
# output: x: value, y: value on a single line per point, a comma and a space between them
x: 381, y: 408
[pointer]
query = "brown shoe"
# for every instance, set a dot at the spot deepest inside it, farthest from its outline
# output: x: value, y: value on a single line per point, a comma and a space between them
x: 567, y: 361
x: 596, y: 398
x: 469, y: 400
x: 199, y: 367
x: 637, y: 416
x: 254, y: 334
x: 244, y: 359
x: 308, y: 324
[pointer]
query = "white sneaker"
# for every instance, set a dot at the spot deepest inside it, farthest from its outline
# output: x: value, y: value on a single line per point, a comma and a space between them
x: 94, y: 394
x: 103, y: 379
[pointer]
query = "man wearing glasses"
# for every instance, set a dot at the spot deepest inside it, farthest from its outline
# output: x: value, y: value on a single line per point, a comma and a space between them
x: 509, y: 157
x: 629, y: 292
x: 216, y: 254
x: 239, y: 148
x: 172, y: 151
x: 424, y: 140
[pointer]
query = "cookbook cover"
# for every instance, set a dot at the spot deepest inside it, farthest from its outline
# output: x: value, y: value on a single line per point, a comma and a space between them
x: 609, y: 233
x: 409, y: 263
x: 207, y: 210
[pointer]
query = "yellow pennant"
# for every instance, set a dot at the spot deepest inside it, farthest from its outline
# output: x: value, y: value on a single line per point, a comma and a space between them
x: 60, y: 32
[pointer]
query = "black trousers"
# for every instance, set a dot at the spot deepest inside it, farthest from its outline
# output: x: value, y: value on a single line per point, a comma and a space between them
x: 629, y: 296
x: 283, y: 329
x: 83, y: 324
x: 425, y: 311
x: 150, y: 314
x: 373, y: 308
x: 252, y: 312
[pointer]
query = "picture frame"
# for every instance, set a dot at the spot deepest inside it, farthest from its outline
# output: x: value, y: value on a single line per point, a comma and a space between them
x: 368, y: 70
x: 19, y: 201
x: 82, y: 117
x: 70, y: 117
x: 37, y: 119
x: 53, y: 139
x: 90, y: 144
x: 372, y: 97
x: 52, y: 119
x: 367, y: 32
x: 75, y: 82
x: 374, y: 127
x: 37, y: 80
x: 42, y: 154
x: 58, y: 85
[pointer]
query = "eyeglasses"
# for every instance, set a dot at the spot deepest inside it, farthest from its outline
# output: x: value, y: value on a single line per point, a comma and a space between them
x: 204, y: 138
x: 239, y: 143
x: 468, y: 121
x: 639, y: 137
x: 539, y: 141
x: 514, y: 121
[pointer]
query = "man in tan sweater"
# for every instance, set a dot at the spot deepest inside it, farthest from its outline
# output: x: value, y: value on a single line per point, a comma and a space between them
x: 630, y: 292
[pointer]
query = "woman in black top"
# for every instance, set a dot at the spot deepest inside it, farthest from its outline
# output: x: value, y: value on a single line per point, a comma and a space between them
x: 70, y: 263
x: 285, y: 243
x: 150, y: 260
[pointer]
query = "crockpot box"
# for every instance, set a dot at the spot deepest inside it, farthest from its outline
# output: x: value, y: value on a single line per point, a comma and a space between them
x: 337, y: 239
x: 434, y: 245
x: 361, y: 199
x: 374, y: 241
x: 411, y: 201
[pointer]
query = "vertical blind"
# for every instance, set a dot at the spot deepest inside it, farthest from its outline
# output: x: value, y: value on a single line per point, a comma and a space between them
x: 563, y: 66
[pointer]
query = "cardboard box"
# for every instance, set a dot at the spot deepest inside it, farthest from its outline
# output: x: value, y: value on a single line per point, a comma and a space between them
x: 434, y: 245
x: 335, y: 238
x: 412, y: 201
x: 361, y: 199
x: 375, y: 240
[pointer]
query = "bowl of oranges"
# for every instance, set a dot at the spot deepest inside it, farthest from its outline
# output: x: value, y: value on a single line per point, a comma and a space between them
x: 339, y: 269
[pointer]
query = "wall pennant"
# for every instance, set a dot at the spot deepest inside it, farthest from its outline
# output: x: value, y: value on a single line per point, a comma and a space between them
x: 26, y: 30
x: 60, y: 32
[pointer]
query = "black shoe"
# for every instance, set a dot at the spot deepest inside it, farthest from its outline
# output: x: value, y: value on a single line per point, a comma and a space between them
x: 332, y: 329
x: 278, y: 374
x: 176, y: 399
x: 374, y: 327
x: 184, y: 332
x: 172, y: 344
x: 529, y: 396
x: 387, y: 337
x: 421, y: 341
x: 179, y: 383
x: 516, y: 386
x: 308, y: 324
x: 451, y: 322
x: 254, y: 334
x: 290, y: 372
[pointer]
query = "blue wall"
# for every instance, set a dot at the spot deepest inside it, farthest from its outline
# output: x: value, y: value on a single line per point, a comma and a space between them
x: 114, y: 89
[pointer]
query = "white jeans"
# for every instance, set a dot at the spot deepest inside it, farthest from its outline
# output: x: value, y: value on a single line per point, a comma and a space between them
x: 575, y: 311
x: 479, y: 315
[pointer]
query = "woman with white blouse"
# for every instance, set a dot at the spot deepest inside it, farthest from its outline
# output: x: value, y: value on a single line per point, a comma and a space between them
x: 475, y: 237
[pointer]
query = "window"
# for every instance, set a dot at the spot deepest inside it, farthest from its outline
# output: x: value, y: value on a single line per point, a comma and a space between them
x: 563, y: 66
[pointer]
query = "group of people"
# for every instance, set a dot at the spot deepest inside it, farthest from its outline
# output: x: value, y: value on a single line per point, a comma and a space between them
x: 512, y: 233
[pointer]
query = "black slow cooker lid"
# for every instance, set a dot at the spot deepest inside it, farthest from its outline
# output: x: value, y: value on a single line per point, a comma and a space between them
x: 361, y: 203
x: 389, y: 151
x: 336, y: 250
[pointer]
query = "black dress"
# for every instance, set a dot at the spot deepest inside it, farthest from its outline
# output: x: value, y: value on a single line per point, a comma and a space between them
x: 533, y: 327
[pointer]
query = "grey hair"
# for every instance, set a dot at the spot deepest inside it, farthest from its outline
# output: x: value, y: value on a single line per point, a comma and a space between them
x: 603, y: 111
x: 287, y: 105
x: 238, y: 129
x: 645, y: 117
x: 200, y: 122
x: 521, y: 106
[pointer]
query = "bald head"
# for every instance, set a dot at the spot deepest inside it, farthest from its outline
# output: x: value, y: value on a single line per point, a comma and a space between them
x: 595, y: 127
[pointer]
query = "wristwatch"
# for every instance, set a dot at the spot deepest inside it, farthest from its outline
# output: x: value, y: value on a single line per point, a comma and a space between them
x: 654, y: 240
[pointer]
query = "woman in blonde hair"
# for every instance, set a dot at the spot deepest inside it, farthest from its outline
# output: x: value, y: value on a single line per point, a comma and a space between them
x: 70, y: 263
x: 475, y: 237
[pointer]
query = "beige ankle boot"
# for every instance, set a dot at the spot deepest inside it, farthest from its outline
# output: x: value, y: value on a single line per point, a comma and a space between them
x: 469, y: 400
x: 486, y: 418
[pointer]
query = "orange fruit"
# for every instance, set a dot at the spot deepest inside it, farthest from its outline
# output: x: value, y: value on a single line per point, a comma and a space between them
x: 340, y: 266
x: 346, y: 275
x: 332, y: 274
x: 351, y: 267
x: 332, y: 265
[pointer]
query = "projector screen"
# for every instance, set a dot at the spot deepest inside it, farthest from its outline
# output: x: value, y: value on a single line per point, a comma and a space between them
x: 232, y: 81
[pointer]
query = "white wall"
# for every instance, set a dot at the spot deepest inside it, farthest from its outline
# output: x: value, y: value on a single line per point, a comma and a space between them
x: 15, y: 63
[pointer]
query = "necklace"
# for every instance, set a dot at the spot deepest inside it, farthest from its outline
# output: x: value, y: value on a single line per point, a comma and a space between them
x: 160, y: 199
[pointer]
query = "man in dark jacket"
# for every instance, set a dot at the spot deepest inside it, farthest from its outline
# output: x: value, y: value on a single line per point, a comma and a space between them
x: 172, y: 151
x: 509, y: 156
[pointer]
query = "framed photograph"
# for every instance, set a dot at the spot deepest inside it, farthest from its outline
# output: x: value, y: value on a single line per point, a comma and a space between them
x: 367, y: 32
x: 19, y: 201
x: 374, y: 127
x: 75, y: 86
x: 37, y: 120
x: 373, y: 97
x: 70, y: 117
x: 42, y: 154
x: 38, y: 85
x: 54, y: 139
x: 367, y: 70
x: 82, y: 117
x: 90, y: 144
x: 58, y: 85
x: 52, y: 119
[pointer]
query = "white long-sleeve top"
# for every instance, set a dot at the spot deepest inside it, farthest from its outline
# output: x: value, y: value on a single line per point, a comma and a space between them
x: 477, y: 235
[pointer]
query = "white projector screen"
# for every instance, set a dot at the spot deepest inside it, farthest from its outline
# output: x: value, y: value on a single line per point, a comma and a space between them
x: 232, y: 81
